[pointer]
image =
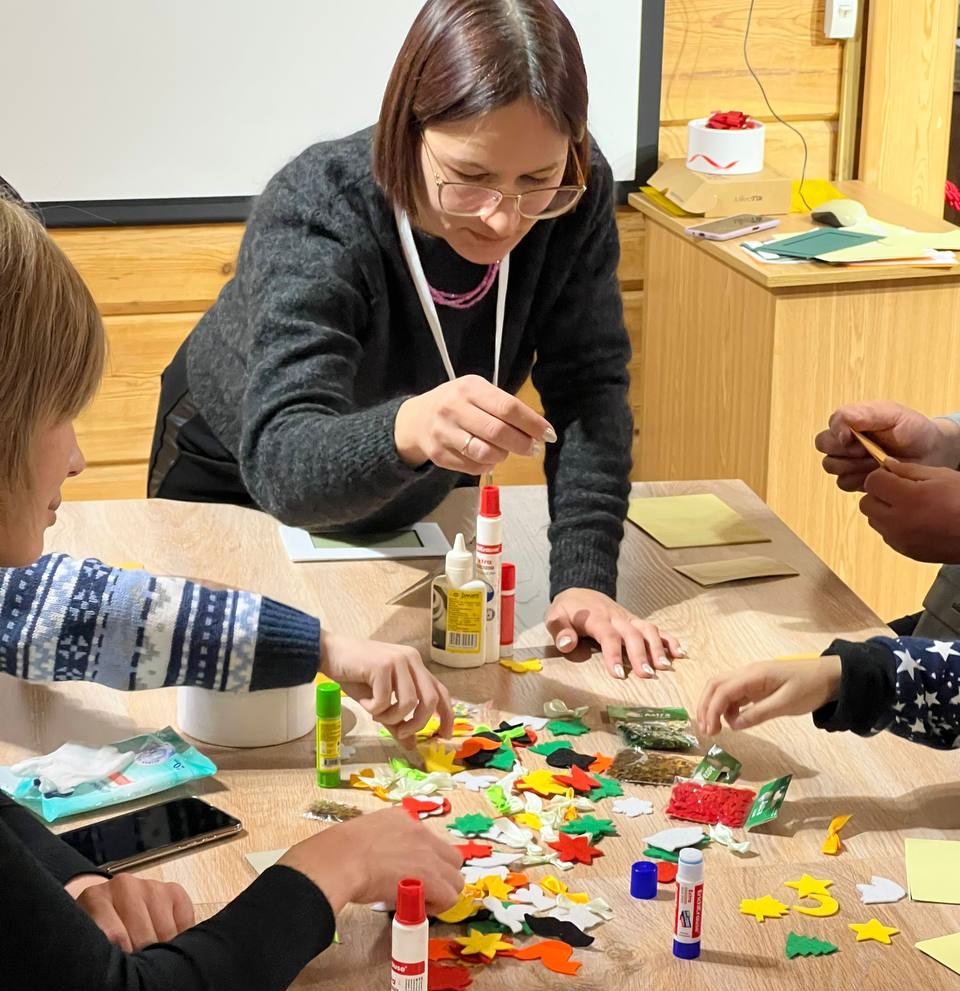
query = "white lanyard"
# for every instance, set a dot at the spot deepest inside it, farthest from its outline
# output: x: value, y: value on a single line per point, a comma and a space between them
x: 426, y: 300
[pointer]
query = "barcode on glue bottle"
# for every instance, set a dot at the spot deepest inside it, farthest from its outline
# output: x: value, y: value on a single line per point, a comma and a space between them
x: 408, y: 976
x: 467, y: 641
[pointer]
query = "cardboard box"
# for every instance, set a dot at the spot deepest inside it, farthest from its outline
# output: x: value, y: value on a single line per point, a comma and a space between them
x: 766, y: 192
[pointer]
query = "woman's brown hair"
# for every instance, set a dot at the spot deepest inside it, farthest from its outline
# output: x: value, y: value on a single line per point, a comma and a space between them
x: 463, y: 58
x: 52, y: 347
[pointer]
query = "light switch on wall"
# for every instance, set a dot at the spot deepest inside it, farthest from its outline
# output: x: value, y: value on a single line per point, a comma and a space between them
x: 840, y: 18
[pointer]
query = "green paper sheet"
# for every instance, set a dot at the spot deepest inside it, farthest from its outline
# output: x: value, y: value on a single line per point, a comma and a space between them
x: 819, y: 242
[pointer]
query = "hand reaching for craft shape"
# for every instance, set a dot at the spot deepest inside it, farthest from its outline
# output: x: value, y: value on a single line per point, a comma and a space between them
x: 903, y: 433
x: 362, y: 860
x: 390, y: 682
x: 467, y: 425
x: 132, y: 911
x: 766, y: 690
x: 578, y: 612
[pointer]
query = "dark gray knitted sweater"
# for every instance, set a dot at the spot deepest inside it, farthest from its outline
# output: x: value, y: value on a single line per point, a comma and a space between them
x: 301, y: 364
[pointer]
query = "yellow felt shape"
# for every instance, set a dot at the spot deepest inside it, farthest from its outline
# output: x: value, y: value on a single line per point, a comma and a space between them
x: 496, y: 887
x: 529, y: 819
x: 580, y: 897
x: 832, y: 845
x: 489, y: 944
x: 827, y: 906
x: 873, y: 930
x: 766, y: 907
x: 430, y: 728
x: 360, y: 779
x: 520, y: 667
x: 466, y: 907
x: 542, y: 782
x: 808, y: 886
x: 436, y: 757
x: 553, y: 884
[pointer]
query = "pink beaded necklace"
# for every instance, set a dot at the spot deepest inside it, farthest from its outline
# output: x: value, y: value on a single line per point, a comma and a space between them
x: 465, y: 300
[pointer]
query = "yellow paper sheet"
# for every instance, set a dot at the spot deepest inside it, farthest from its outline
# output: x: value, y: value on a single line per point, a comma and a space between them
x: 655, y: 196
x: 816, y: 192
x: 709, y: 573
x: 933, y: 870
x: 692, y: 521
x: 943, y: 949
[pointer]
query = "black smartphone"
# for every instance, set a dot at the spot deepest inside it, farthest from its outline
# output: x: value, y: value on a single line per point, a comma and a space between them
x: 157, y: 831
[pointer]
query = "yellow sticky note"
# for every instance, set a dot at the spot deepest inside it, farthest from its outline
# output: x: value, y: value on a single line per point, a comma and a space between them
x: 933, y: 870
x: 943, y: 949
x: 816, y: 192
x: 736, y: 569
x: 700, y: 520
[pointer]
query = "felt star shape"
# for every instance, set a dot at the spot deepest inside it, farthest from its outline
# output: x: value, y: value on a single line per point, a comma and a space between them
x: 448, y: 977
x: 594, y: 827
x: 474, y: 851
x: 528, y: 819
x: 534, y: 896
x: 548, y: 747
x: 873, y: 930
x: 832, y: 845
x: 609, y: 788
x: 554, y: 954
x: 880, y: 891
x: 496, y: 887
x: 567, y: 727
x: 471, y: 825
x: 633, y: 807
x: 542, y: 782
x: 474, y: 782
x: 520, y: 667
x: 509, y: 915
x: 578, y: 780
x: 575, y: 849
x: 436, y: 757
x: 485, y: 944
x: 466, y: 906
x: 807, y: 886
x: 763, y: 908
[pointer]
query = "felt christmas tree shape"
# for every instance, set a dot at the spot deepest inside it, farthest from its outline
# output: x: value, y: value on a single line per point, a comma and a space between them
x: 807, y: 946
x: 595, y: 828
x: 766, y: 907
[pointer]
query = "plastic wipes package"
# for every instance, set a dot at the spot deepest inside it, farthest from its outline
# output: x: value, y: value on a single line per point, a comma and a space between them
x: 76, y: 778
x: 648, y: 728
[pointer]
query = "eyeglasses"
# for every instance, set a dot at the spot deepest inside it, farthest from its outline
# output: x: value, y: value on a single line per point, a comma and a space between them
x: 466, y: 199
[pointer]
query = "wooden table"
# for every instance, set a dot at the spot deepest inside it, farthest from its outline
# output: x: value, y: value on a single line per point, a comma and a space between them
x: 893, y: 789
x: 741, y: 364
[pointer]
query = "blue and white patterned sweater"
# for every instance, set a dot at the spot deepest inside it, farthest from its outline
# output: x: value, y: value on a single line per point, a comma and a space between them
x: 62, y: 619
x: 907, y: 685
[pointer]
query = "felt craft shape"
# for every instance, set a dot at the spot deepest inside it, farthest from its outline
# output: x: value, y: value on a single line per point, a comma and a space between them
x: 575, y: 849
x: 503, y: 759
x: 833, y: 845
x: 471, y: 825
x: 578, y: 915
x: 594, y: 828
x: 465, y: 907
x: 543, y: 782
x: 676, y: 838
x: 807, y: 946
x: 724, y: 836
x: 548, y: 747
x: 510, y: 834
x: 807, y: 886
x: 492, y: 859
x: 601, y: 763
x: 609, y: 788
x: 511, y: 916
x: 475, y: 875
x: 880, y: 891
x: 567, y: 727
x: 874, y: 930
x: 496, y: 885
x: 552, y: 928
x: 578, y: 780
x: 474, y: 745
x: 534, y: 896
x: 766, y: 907
x: 827, y: 906
x: 596, y: 906
x: 422, y: 808
x: 521, y: 667
x: 528, y: 819
x: 475, y: 782
x: 554, y: 954
x: 448, y: 977
x: 482, y: 944
x: 567, y: 758
x: 474, y: 851
x: 558, y: 709
x: 442, y: 949
x: 633, y: 807
x: 436, y: 757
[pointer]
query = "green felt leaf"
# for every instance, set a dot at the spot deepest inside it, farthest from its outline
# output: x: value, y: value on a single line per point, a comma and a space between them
x: 655, y: 853
x: 609, y: 788
x: 588, y: 824
x: 567, y: 727
x: 503, y: 759
x: 471, y: 825
x: 492, y: 926
x: 551, y: 746
x: 498, y: 799
x: 807, y: 946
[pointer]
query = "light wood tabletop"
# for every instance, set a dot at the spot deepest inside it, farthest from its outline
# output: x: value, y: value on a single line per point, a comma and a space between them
x: 812, y: 274
x: 892, y: 789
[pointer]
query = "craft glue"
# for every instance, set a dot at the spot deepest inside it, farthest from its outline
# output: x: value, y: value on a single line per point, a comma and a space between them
x: 687, y: 916
x: 328, y: 734
x: 489, y: 554
x: 508, y: 604
x: 458, y: 603
x: 408, y: 951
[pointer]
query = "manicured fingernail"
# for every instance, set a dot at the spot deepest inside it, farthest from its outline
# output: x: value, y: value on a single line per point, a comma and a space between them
x: 618, y: 671
x: 564, y: 641
x: 665, y: 662
x: 681, y: 650
x: 536, y: 449
x: 649, y: 670
x: 550, y: 435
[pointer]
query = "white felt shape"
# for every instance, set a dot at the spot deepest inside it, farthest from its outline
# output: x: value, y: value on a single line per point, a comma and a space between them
x: 536, y: 723
x: 507, y: 915
x: 676, y: 838
x: 346, y: 751
x: 722, y: 834
x: 494, y: 860
x: 579, y: 802
x: 509, y: 834
x: 579, y: 915
x: 508, y: 781
x: 473, y: 874
x: 534, y: 896
x: 558, y: 709
x: 474, y: 782
x: 548, y: 834
x: 880, y: 891
x: 633, y: 807
x: 437, y: 809
x: 537, y: 855
x: 532, y: 802
x: 379, y: 778
x: 596, y: 905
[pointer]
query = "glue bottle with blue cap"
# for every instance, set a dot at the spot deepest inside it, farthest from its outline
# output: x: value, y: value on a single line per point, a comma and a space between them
x: 688, y: 913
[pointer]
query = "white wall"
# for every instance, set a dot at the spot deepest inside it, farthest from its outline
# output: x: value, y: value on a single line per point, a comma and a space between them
x: 144, y: 99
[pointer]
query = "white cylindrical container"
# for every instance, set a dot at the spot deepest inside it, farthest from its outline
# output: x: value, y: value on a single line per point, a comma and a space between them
x: 409, y: 942
x: 688, y: 912
x: 489, y: 560
x: 724, y: 152
x: 246, y: 719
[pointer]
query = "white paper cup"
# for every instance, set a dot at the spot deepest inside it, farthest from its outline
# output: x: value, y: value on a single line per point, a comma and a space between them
x: 718, y: 152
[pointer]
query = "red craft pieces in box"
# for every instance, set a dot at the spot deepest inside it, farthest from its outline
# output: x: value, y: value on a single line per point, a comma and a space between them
x: 710, y: 804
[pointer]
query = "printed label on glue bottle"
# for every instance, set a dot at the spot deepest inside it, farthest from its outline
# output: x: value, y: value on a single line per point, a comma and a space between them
x: 688, y: 911
x: 408, y: 946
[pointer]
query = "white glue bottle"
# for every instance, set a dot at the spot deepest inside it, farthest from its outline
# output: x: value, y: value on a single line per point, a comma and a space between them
x: 688, y: 913
x: 408, y: 948
x: 458, y: 612
x: 489, y: 559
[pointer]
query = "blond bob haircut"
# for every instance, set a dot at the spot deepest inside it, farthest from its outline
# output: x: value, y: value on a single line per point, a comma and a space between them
x: 52, y: 346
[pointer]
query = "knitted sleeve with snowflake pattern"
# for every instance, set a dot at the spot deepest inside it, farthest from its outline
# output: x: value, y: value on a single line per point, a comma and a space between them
x: 63, y: 619
x: 907, y: 685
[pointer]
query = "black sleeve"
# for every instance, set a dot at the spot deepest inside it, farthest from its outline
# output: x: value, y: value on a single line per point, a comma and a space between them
x: 259, y: 942
x: 868, y: 689
x: 60, y: 859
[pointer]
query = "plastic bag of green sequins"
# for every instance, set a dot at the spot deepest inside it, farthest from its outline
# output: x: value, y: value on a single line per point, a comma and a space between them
x: 647, y: 728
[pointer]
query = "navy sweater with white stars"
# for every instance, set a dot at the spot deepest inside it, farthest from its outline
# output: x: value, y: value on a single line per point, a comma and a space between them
x: 907, y: 685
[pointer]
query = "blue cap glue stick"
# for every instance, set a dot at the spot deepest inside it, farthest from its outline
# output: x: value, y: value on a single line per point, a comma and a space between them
x: 688, y: 913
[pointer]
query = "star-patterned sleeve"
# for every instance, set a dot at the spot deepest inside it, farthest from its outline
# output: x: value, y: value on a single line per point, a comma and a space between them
x: 63, y: 619
x: 907, y: 685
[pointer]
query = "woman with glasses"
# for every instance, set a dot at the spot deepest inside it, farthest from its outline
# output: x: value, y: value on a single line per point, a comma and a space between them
x: 394, y: 290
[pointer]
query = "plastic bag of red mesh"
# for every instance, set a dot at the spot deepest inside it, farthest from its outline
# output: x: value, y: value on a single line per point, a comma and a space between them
x: 710, y: 804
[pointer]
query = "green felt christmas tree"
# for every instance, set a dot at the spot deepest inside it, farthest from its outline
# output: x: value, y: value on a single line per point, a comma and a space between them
x: 807, y: 946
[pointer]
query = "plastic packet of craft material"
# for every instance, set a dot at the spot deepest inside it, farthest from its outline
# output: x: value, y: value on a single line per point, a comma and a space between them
x: 646, y: 714
x: 655, y: 735
x: 153, y: 763
x: 325, y: 810
x: 636, y: 767
x: 718, y: 766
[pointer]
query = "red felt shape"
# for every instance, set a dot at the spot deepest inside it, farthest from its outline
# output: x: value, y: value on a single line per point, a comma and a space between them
x: 731, y: 120
x: 575, y: 849
x: 443, y: 949
x: 414, y: 806
x: 448, y: 977
x: 710, y: 803
x: 666, y: 872
x: 474, y: 745
x: 474, y: 851
x: 554, y: 954
x: 577, y: 779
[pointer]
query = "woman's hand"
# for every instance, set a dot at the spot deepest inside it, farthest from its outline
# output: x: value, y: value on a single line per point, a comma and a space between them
x: 390, y: 682
x: 362, y: 860
x: 133, y: 912
x: 577, y: 612
x: 766, y: 690
x: 902, y: 432
x: 467, y: 425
